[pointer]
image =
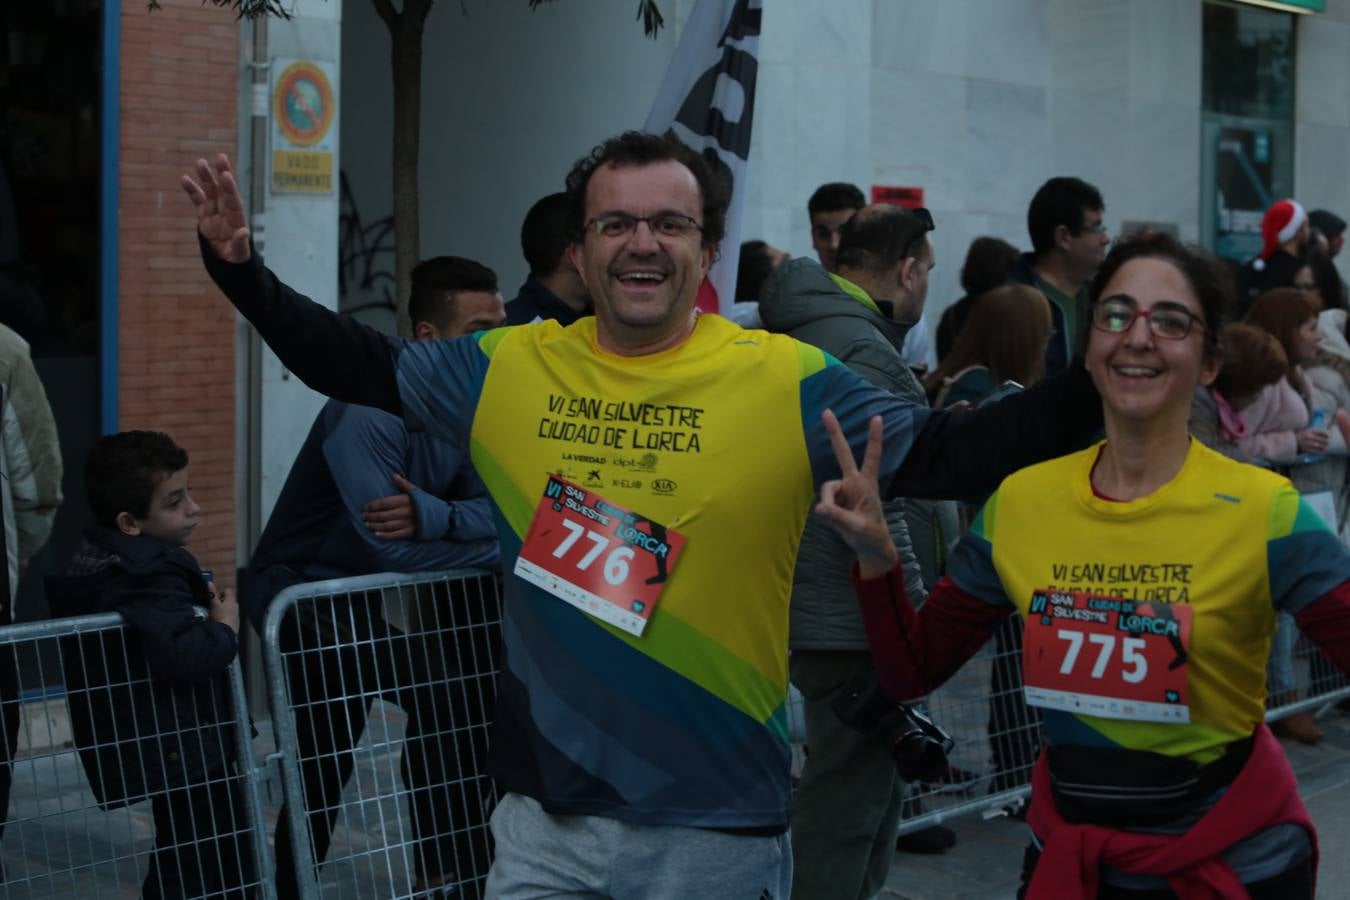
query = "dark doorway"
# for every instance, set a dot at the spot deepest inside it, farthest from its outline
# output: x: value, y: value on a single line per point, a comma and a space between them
x: 51, y: 77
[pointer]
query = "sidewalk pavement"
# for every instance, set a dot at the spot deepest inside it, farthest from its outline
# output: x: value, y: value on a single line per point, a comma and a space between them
x: 987, y: 859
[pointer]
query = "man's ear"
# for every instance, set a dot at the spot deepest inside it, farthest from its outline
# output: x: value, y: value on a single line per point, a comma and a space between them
x: 1063, y: 237
x: 576, y: 255
x: 127, y: 524
x: 906, y: 271
x: 424, y: 331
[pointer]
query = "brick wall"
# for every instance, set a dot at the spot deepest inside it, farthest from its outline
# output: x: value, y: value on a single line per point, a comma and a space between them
x: 180, y: 72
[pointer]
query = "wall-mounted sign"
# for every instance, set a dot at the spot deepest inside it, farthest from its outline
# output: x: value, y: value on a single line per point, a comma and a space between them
x: 908, y: 197
x: 1295, y: 6
x: 304, y: 115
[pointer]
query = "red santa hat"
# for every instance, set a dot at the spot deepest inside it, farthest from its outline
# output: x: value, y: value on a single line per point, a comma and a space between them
x: 1278, y: 226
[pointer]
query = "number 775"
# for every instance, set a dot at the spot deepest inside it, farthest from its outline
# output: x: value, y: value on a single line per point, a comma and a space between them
x: 1130, y: 654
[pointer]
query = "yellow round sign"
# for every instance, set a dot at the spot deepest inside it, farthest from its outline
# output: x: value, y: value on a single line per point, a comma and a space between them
x: 303, y: 104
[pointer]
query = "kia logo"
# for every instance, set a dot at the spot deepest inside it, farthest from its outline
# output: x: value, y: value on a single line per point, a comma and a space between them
x: 664, y: 485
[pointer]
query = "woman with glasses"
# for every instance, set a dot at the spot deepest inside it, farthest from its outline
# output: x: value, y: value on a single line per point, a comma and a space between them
x: 1148, y: 570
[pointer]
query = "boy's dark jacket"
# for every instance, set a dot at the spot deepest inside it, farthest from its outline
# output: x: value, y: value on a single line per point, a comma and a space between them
x: 149, y: 704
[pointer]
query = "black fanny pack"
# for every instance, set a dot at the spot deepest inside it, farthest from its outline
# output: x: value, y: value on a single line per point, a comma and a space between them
x: 1122, y: 788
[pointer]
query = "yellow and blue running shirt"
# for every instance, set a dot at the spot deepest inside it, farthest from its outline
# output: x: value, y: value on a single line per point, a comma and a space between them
x: 1233, y: 541
x: 719, y: 439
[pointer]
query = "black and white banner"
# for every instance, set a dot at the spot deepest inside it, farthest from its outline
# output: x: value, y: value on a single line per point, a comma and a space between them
x: 708, y: 100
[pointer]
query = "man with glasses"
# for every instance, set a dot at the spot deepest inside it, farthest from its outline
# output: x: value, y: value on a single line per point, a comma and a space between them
x: 652, y: 471
x: 849, y: 804
x: 1068, y: 243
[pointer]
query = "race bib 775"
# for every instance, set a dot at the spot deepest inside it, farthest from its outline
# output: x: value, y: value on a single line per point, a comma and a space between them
x: 1107, y: 656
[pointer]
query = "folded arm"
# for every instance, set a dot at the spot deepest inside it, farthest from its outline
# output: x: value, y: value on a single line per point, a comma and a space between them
x: 364, y: 448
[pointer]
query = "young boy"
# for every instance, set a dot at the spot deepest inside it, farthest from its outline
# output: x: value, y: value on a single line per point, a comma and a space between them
x: 150, y: 704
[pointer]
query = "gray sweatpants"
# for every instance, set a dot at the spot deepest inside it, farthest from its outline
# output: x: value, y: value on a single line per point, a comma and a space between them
x: 545, y: 856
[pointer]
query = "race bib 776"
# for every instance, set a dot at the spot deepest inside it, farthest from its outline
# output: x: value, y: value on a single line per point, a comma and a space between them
x: 605, y: 560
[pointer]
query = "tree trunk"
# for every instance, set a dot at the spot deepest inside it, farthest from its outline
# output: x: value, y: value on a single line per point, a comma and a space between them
x: 405, y: 31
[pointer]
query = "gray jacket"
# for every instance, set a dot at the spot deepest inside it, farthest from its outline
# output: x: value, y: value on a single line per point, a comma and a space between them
x: 800, y: 299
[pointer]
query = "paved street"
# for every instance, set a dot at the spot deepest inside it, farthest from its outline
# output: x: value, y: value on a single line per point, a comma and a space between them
x: 57, y: 846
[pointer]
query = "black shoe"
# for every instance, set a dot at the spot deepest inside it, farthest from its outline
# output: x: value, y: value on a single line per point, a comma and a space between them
x: 930, y: 841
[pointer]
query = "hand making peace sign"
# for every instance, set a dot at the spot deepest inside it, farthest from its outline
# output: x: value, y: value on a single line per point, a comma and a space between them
x: 852, y: 504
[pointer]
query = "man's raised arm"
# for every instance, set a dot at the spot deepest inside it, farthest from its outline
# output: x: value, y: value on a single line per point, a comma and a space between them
x: 966, y: 454
x: 333, y: 354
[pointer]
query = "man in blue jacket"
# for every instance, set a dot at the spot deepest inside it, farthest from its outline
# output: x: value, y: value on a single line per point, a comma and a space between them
x: 333, y: 520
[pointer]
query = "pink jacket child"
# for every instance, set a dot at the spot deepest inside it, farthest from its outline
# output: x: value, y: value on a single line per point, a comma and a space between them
x: 1274, y: 419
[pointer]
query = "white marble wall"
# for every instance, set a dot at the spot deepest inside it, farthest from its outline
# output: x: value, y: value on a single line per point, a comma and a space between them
x: 979, y: 102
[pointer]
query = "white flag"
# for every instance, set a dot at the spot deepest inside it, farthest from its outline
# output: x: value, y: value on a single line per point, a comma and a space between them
x: 708, y: 100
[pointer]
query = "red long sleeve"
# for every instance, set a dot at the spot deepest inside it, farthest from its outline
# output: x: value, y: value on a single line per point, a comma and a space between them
x: 1326, y: 621
x: 913, y: 652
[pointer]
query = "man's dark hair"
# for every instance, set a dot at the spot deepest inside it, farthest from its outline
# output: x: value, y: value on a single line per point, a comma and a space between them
x: 755, y: 267
x: 1060, y: 201
x: 545, y: 234
x: 835, y: 196
x: 1327, y: 222
x: 638, y: 148
x: 989, y: 264
x: 1328, y: 281
x: 123, y: 470
x: 437, y: 281
x: 1208, y: 279
x: 880, y: 238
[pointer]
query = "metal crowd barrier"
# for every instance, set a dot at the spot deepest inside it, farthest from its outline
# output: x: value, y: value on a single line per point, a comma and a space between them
x: 397, y: 801
x: 117, y: 785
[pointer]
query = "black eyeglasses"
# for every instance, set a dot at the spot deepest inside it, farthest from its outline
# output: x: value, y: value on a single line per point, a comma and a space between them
x: 1167, y: 320
x: 662, y: 224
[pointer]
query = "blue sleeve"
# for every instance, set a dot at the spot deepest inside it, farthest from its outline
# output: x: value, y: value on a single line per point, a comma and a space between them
x: 433, y: 516
x: 439, y: 383
x: 854, y: 402
x: 363, y: 449
x: 1306, y: 559
x: 474, y: 519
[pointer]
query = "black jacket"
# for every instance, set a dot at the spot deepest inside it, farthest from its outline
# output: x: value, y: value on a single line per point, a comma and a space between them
x: 149, y: 704
x: 537, y: 302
